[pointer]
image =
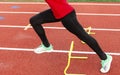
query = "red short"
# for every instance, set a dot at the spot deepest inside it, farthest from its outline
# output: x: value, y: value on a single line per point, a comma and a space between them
x: 60, y: 8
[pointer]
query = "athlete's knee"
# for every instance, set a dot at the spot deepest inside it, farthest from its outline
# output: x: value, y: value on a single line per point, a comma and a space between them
x: 32, y: 21
x: 35, y: 20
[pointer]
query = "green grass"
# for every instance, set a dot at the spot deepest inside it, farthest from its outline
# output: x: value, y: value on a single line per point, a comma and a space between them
x: 94, y: 0
x: 21, y: 0
x: 68, y: 0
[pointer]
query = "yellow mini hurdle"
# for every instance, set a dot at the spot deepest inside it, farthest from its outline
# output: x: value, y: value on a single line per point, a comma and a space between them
x: 89, y: 29
x: 26, y: 27
x: 72, y: 57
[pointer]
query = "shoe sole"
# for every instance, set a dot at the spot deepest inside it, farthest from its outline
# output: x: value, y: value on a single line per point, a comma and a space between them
x: 48, y: 51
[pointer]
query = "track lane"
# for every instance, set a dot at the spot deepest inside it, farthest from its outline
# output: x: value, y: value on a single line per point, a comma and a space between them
x: 88, y: 7
x: 101, y: 21
x: 18, y: 38
x: 94, y: 21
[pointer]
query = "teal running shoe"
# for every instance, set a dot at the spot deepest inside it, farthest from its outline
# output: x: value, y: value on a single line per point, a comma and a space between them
x: 106, y: 64
x: 42, y: 49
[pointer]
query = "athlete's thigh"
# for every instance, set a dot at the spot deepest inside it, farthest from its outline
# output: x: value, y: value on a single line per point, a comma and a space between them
x: 46, y: 17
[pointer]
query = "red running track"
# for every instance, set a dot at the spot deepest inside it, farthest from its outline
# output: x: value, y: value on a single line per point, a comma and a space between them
x: 28, y: 63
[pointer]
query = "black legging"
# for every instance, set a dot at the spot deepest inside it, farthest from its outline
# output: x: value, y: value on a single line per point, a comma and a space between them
x: 70, y: 23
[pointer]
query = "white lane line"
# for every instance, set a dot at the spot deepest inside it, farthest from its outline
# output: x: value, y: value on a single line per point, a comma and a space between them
x: 60, y: 28
x: 55, y: 51
x: 10, y: 12
x: 105, y: 29
x: 97, y: 14
x: 84, y: 14
x: 96, y: 4
x: 71, y: 3
x: 11, y: 26
x: 17, y: 49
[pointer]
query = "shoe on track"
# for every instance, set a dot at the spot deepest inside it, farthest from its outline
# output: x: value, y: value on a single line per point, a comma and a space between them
x: 42, y: 49
x: 106, y: 64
